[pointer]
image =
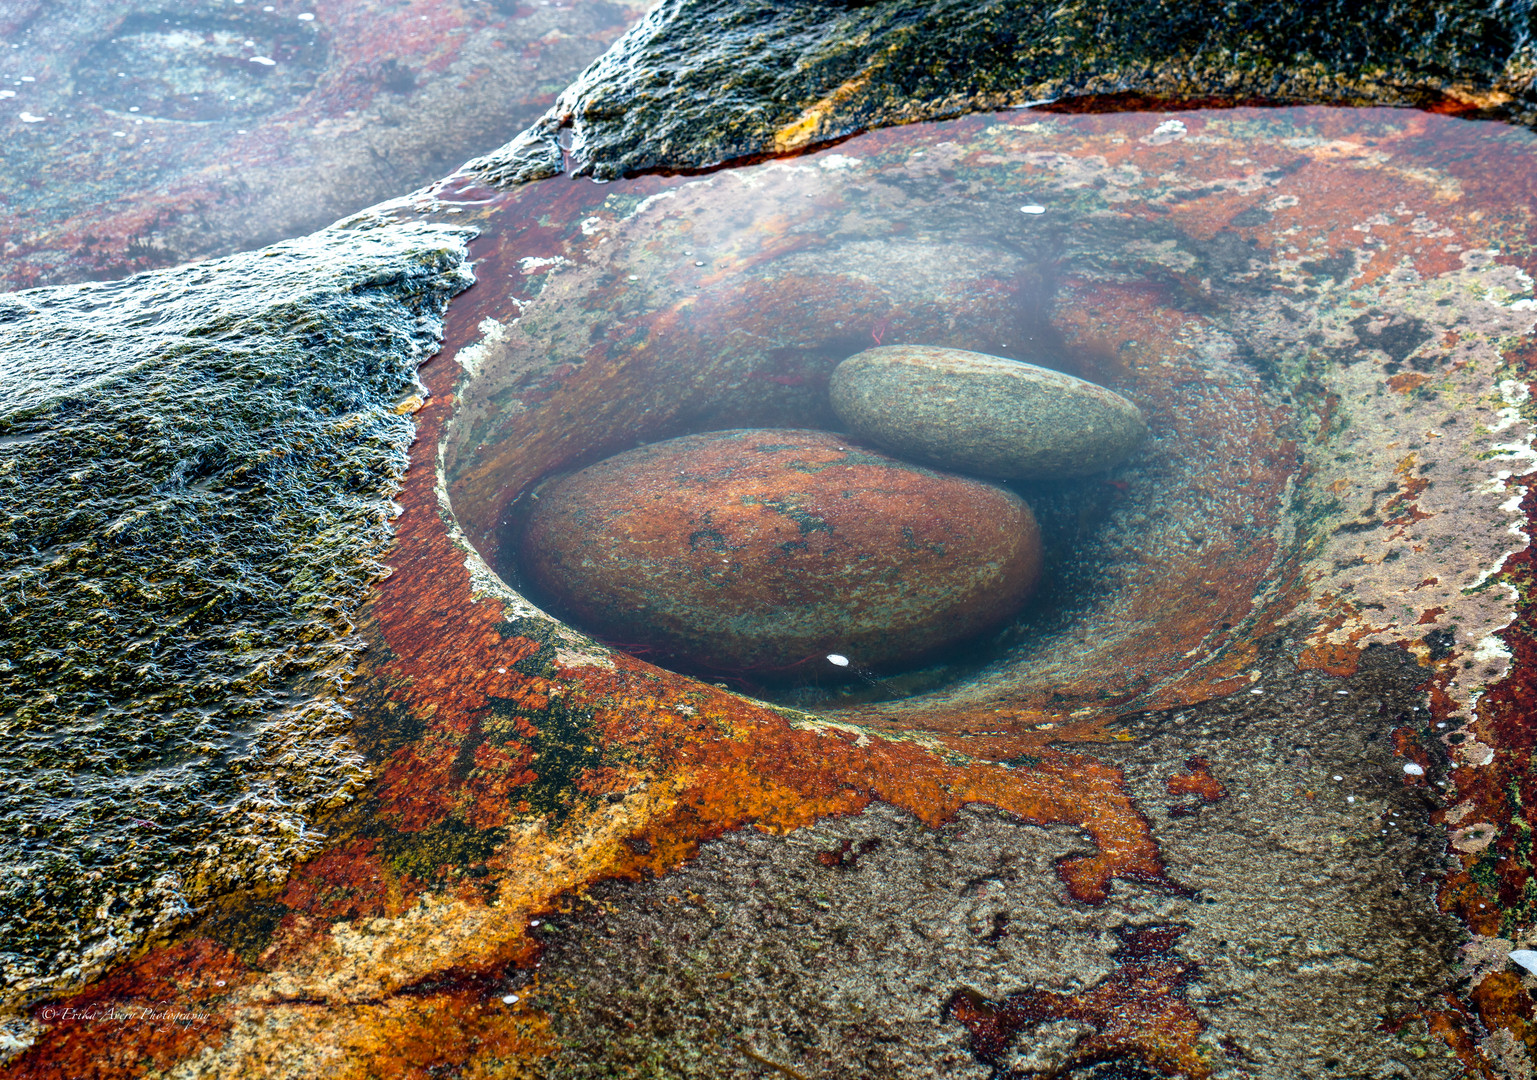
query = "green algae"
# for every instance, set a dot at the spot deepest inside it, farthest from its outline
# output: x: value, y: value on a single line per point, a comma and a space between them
x: 196, y: 478
x: 700, y: 82
x: 449, y: 844
x: 566, y: 746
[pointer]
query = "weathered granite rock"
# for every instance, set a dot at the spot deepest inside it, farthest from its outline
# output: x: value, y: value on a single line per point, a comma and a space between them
x: 764, y: 550
x: 165, y: 138
x: 984, y: 414
x: 197, y: 466
x: 699, y: 82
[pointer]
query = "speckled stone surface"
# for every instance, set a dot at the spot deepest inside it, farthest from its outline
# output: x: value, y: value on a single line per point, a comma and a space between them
x: 762, y: 551
x: 177, y: 628
x: 140, y: 135
x: 872, y: 947
x: 699, y: 82
x: 982, y: 414
x: 1328, y: 315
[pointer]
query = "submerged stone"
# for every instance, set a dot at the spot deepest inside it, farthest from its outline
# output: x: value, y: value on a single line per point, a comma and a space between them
x: 762, y: 551
x: 984, y: 414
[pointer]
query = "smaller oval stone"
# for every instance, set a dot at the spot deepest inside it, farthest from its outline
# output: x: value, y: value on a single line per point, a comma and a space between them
x: 983, y: 414
x: 763, y: 551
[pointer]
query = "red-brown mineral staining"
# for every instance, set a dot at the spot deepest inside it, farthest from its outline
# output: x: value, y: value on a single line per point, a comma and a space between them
x: 1196, y: 780
x: 764, y: 551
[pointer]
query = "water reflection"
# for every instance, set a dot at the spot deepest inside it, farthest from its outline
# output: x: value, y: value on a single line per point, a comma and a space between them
x: 698, y: 305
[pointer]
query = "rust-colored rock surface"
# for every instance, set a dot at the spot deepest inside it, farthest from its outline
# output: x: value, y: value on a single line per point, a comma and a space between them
x: 1171, y: 836
x: 762, y: 551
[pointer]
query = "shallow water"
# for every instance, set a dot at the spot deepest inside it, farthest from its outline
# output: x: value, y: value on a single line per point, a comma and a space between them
x: 1279, y: 624
x: 143, y: 135
x: 1269, y: 286
x: 1196, y: 738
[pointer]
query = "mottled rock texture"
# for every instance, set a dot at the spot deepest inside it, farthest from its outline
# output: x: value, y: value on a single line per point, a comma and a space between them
x: 1343, y: 259
x: 196, y: 472
x: 699, y: 82
x: 984, y: 414
x: 157, y: 136
x: 762, y: 551
x: 835, y: 950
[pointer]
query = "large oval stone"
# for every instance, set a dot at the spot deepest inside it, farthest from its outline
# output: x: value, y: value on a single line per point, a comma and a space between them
x: 763, y: 551
x: 984, y: 414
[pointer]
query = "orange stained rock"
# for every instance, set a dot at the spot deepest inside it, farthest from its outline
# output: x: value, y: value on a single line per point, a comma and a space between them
x: 1451, y: 1021
x: 1407, y: 381
x: 1139, y: 1012
x: 135, y: 1017
x: 1331, y: 658
x: 466, y: 1031
x: 758, y: 552
x: 349, y: 988
x: 778, y: 777
x: 1197, y: 780
x: 725, y: 762
x: 342, y: 882
x: 1007, y: 735
x: 1406, y: 740
x: 465, y: 1028
x: 1503, y: 1002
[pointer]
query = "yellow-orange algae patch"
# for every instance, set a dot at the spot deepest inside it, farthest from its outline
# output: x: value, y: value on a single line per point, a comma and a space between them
x: 1333, y: 658
x: 1406, y: 381
x: 1197, y: 780
x: 411, y: 1036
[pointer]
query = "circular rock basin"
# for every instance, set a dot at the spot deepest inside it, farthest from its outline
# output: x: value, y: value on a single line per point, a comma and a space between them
x: 658, y: 307
x: 203, y: 66
x: 761, y: 552
x: 681, y: 306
